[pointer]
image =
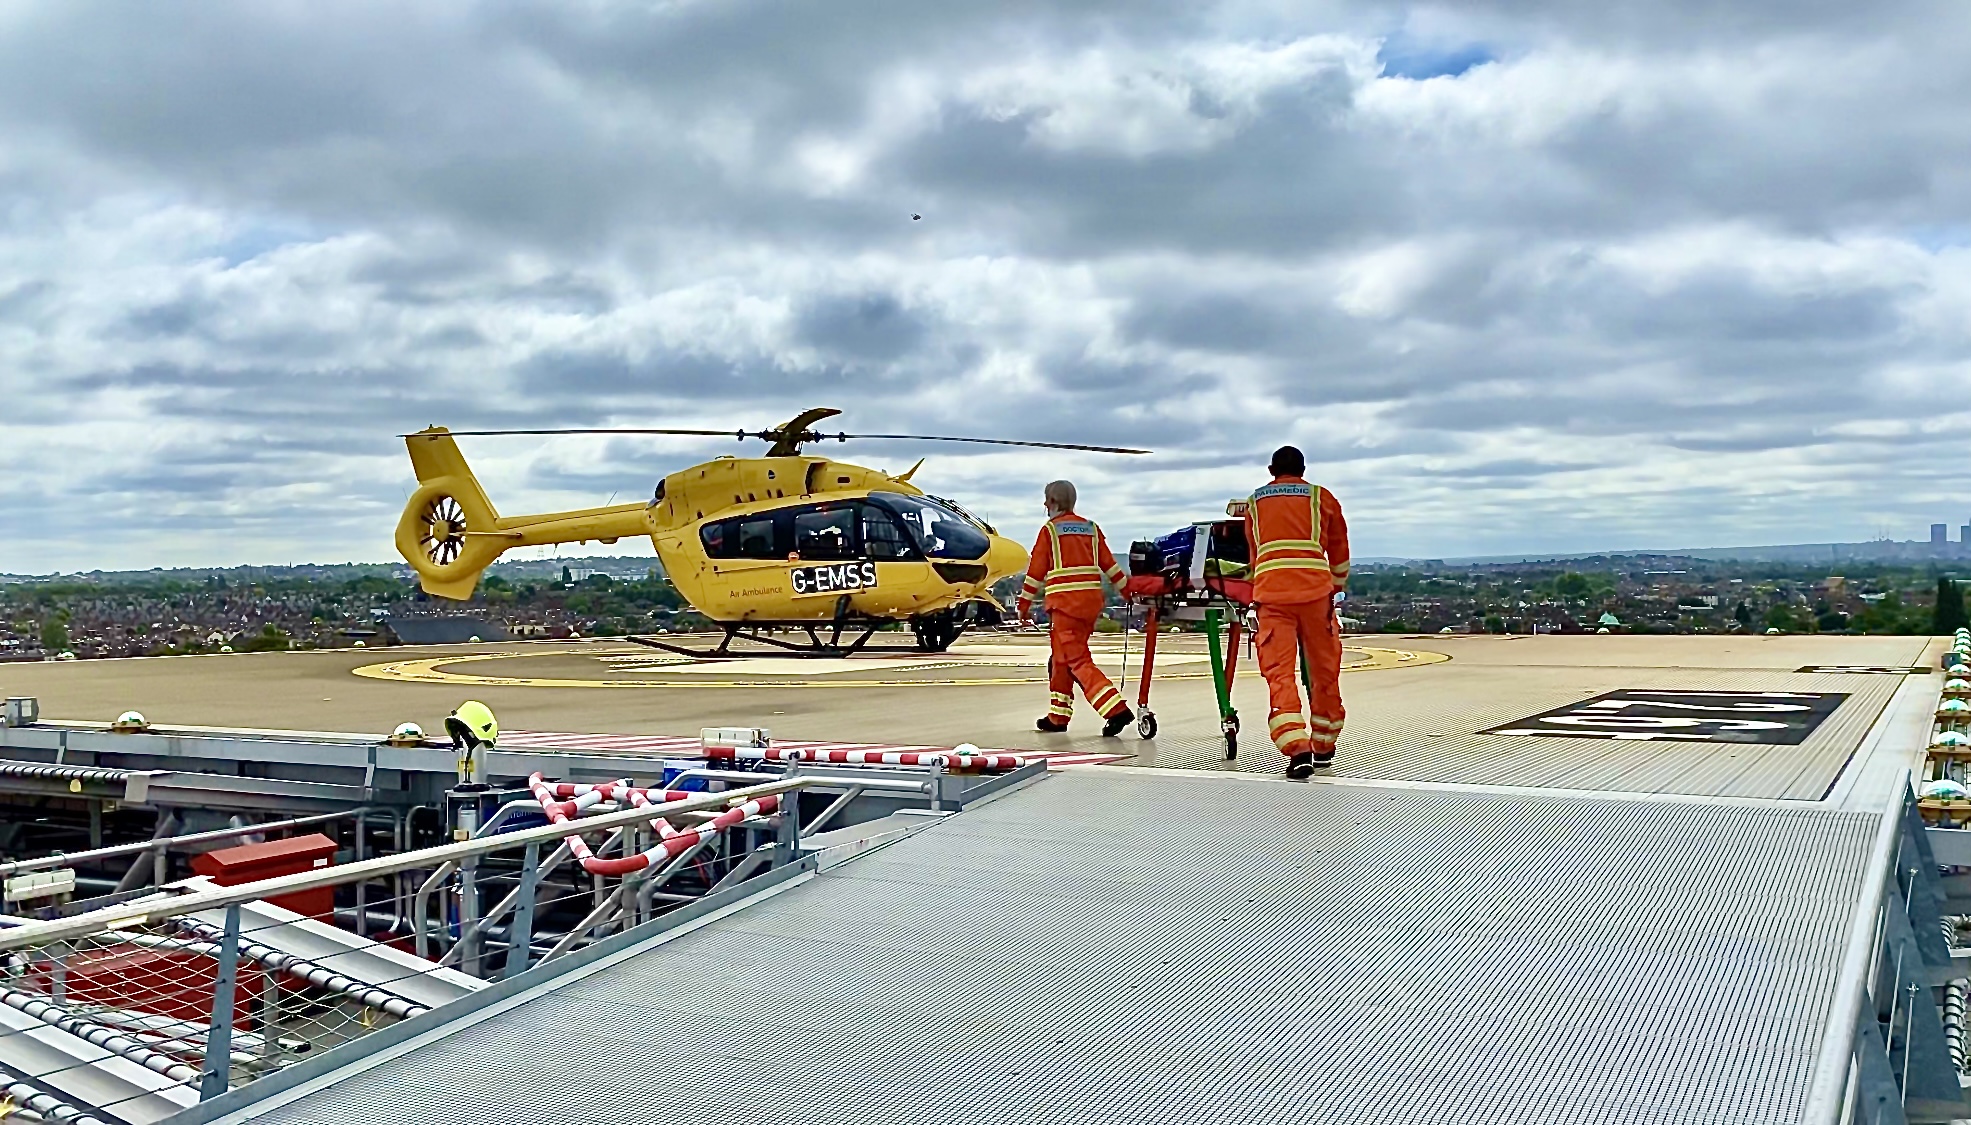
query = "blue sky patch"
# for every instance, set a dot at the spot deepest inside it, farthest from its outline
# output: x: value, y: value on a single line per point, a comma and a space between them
x: 1416, y: 61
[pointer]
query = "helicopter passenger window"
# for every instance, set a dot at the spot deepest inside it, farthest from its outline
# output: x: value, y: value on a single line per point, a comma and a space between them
x: 881, y: 537
x: 720, y: 539
x: 742, y: 538
x: 826, y: 533
x: 756, y: 538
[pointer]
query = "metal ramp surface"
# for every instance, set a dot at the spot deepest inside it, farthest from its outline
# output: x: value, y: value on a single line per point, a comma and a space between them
x: 1145, y: 946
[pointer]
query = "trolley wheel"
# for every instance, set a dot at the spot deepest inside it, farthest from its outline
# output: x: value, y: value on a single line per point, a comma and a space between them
x: 1146, y: 725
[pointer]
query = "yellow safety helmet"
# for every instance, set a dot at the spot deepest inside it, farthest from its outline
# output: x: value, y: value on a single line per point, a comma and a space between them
x: 473, y: 724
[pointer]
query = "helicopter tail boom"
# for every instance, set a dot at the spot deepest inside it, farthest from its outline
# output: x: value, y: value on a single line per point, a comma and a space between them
x: 450, y: 532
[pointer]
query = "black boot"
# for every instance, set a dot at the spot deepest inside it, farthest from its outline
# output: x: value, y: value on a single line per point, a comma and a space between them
x: 1118, y: 721
x: 1300, y: 767
x: 1051, y: 725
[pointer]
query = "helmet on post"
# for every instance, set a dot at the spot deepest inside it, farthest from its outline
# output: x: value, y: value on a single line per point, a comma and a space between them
x: 472, y: 725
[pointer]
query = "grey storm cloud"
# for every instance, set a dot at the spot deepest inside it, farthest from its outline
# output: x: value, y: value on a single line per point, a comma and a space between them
x: 1516, y: 274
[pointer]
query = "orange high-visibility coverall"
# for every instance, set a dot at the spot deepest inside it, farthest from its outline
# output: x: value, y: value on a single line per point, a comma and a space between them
x: 1299, y: 559
x: 1070, y: 559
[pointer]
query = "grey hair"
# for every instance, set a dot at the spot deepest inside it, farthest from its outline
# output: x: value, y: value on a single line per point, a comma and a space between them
x: 1060, y: 494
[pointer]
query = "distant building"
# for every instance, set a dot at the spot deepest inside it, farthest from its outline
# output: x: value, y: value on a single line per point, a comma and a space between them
x: 412, y: 630
x: 1964, y: 534
x: 1939, y: 534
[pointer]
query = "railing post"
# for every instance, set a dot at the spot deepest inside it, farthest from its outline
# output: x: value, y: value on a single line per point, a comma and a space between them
x: 788, y: 844
x: 270, y: 1014
x: 219, y: 1038
x: 469, y: 915
x: 520, y: 933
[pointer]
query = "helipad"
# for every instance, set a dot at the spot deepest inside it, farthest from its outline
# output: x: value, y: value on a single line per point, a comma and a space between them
x: 1419, y: 708
x: 974, y: 665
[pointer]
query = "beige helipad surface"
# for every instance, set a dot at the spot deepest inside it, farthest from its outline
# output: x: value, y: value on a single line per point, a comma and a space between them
x: 1413, y: 714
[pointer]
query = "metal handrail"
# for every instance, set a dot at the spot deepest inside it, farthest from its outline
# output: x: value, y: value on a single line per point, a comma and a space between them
x: 1827, y: 1093
x: 146, y: 911
x: 61, y: 860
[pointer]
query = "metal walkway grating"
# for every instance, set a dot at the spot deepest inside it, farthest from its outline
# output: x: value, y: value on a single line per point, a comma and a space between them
x: 1423, y: 724
x: 1082, y: 952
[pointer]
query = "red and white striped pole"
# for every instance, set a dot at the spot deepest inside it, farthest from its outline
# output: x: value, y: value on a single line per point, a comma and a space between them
x: 673, y: 842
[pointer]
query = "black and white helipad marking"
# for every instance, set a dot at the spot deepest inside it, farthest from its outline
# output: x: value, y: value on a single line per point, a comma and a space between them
x: 1780, y: 718
x: 1863, y: 670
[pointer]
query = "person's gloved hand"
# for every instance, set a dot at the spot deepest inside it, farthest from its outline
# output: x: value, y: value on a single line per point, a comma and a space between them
x: 1340, y: 596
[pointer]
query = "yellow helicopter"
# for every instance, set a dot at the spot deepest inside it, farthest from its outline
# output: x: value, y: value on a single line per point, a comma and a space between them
x: 759, y: 545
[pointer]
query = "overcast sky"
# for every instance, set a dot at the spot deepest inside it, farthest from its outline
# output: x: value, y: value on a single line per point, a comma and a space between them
x: 1519, y: 276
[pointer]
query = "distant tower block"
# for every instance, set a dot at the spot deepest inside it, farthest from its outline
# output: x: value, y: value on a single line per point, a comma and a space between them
x: 1964, y: 534
x: 1939, y: 533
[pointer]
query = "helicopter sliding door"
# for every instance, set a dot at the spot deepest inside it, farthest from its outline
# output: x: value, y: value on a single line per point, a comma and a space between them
x: 746, y: 561
x: 853, y: 557
x: 798, y: 563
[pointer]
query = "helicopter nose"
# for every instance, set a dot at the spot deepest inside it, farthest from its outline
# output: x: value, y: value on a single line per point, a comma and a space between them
x: 1004, y: 558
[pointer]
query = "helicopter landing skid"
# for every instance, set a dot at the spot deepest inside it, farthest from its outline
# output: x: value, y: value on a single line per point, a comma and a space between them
x: 828, y: 640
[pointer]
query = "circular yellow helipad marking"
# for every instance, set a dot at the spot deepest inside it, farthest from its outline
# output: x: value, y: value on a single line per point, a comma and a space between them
x: 431, y: 670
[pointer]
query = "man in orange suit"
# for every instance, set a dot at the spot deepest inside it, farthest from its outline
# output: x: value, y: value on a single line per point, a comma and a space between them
x: 1069, y: 560
x: 1299, y: 544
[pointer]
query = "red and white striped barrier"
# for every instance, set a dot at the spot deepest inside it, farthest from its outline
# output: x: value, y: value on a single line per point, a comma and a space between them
x: 962, y: 763
x: 689, y: 746
x: 672, y: 842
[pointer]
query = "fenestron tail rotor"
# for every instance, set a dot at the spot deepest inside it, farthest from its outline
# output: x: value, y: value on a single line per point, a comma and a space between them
x: 444, y: 528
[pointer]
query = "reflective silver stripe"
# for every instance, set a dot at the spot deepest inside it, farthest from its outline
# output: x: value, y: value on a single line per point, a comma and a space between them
x: 1289, y: 564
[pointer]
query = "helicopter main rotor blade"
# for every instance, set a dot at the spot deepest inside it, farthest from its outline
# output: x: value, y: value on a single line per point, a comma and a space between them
x: 502, y: 433
x: 988, y: 441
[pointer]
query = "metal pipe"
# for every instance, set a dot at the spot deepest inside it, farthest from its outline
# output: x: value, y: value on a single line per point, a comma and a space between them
x: 20, y: 865
x: 1956, y: 994
x: 166, y: 818
x: 40, y: 772
x: 172, y: 1030
x: 494, y: 933
x: 160, y: 908
x: 302, y: 969
x: 591, y: 921
x: 32, y: 1096
x: 108, y: 1038
x: 835, y: 806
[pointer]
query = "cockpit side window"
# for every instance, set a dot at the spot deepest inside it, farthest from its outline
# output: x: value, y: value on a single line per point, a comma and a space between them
x: 940, y: 532
x: 882, y: 538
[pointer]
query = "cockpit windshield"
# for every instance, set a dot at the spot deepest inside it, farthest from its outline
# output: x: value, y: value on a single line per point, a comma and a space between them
x: 941, y: 531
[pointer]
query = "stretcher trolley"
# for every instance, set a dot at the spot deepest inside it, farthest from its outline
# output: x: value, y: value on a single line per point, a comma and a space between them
x: 1197, y: 573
